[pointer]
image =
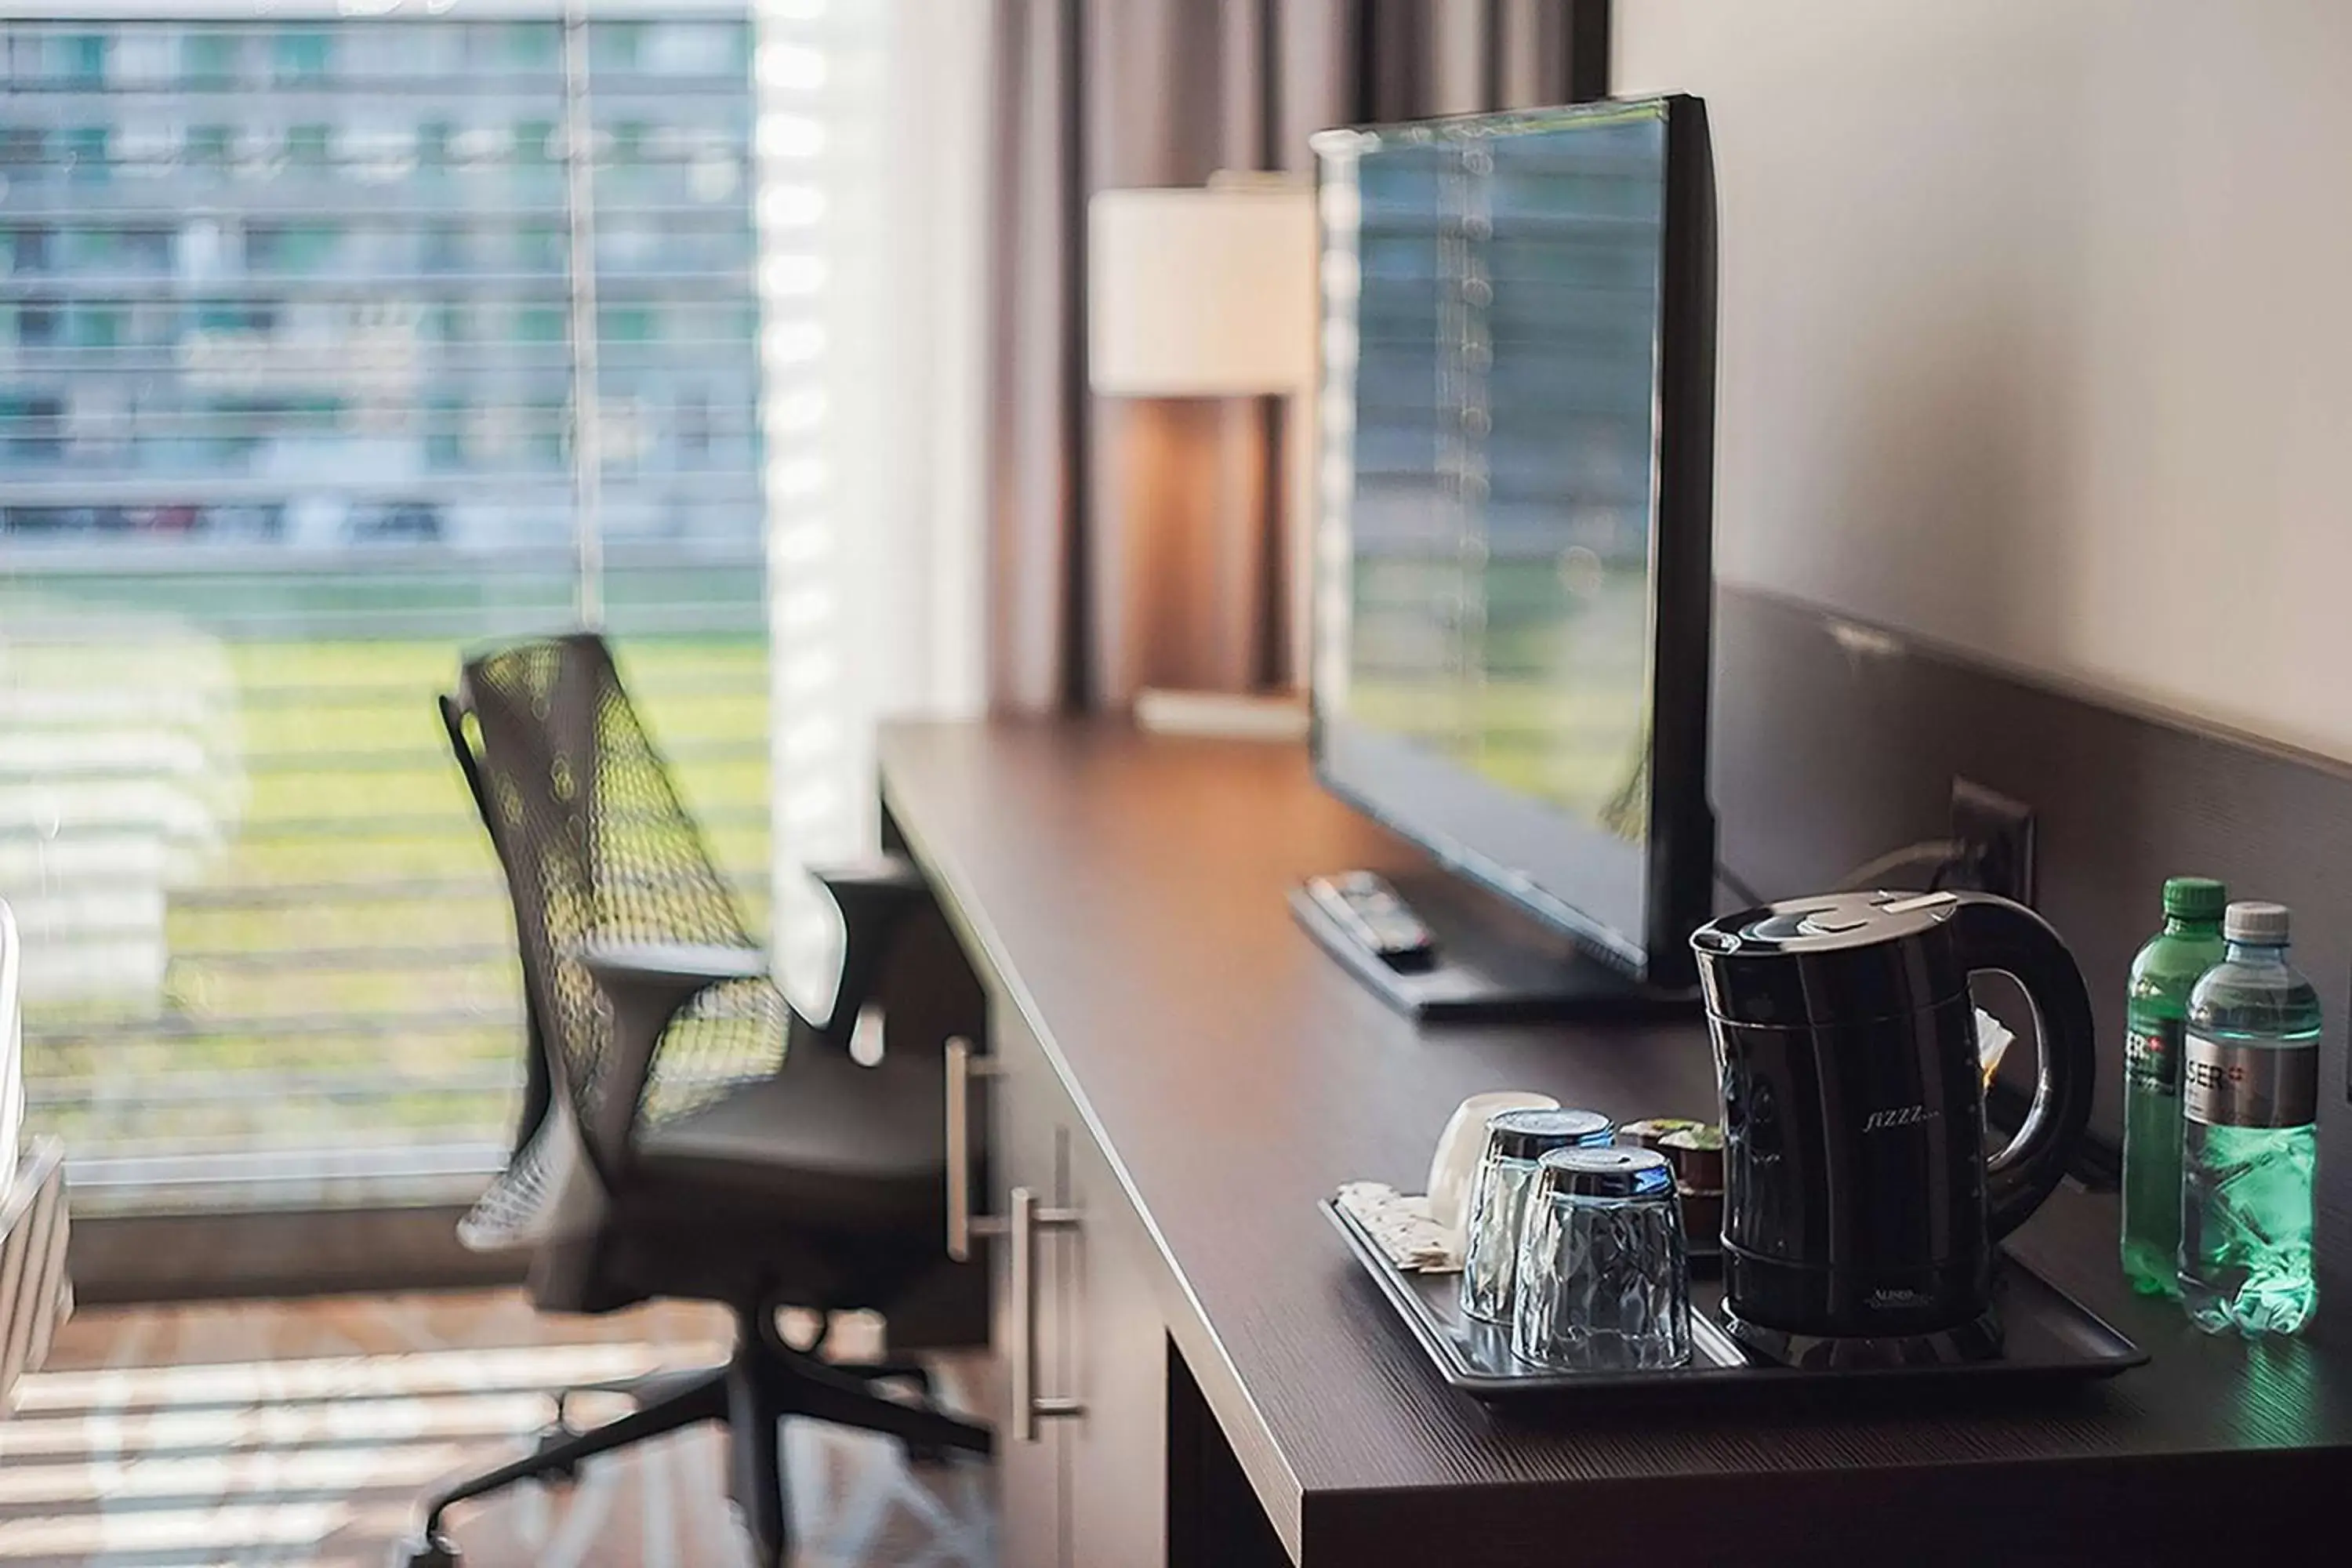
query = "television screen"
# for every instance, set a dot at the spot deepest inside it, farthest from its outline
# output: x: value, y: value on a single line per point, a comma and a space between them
x: 1488, y: 605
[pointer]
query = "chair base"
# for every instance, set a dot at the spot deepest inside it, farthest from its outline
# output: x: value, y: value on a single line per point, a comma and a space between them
x: 764, y: 1381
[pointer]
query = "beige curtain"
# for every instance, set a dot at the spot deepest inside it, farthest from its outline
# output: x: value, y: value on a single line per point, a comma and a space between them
x: 1132, y: 542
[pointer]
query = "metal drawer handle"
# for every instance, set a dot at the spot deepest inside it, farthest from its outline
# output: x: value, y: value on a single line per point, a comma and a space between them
x: 963, y: 1066
x: 1029, y: 1407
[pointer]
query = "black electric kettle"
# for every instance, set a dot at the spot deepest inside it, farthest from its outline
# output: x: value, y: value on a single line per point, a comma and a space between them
x: 1858, y: 1203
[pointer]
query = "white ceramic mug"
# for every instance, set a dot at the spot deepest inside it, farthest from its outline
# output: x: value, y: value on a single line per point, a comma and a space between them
x: 1460, y: 1148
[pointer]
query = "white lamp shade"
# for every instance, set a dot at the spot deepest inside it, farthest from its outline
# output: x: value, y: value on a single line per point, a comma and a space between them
x: 1201, y: 293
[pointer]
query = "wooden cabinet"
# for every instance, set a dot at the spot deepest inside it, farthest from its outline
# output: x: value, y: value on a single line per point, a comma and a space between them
x: 1115, y: 1486
x: 1024, y: 1146
x: 1081, y: 1480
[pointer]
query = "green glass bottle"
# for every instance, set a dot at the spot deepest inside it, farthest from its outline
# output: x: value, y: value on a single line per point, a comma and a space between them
x: 2250, y: 1143
x: 2155, y: 1018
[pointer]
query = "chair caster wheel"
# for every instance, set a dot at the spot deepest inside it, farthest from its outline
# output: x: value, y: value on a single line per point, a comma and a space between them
x: 429, y: 1550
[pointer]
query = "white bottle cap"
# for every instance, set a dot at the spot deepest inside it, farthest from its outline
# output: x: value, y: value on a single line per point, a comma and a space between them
x: 2264, y: 925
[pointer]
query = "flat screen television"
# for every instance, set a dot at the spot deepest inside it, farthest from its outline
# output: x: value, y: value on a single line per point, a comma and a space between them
x: 1513, y: 578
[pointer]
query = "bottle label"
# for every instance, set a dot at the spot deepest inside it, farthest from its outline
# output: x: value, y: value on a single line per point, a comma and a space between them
x: 2152, y: 1057
x: 2237, y: 1084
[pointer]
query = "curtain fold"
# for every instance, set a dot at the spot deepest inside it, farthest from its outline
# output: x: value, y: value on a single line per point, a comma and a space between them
x: 1036, y: 456
x: 1134, y: 542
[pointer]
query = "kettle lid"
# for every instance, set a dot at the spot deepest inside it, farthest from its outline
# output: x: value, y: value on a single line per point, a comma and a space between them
x: 1832, y: 958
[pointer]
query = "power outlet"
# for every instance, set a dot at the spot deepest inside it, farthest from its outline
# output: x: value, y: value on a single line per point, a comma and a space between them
x: 1998, y: 835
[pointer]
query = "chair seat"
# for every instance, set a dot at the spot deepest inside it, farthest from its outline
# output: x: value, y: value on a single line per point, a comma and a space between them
x: 824, y: 1140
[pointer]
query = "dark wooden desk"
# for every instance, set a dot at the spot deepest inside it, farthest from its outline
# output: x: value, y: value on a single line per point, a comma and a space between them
x: 1188, y: 1071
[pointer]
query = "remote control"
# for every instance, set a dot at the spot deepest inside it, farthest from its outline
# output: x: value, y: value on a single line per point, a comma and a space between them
x: 1368, y: 911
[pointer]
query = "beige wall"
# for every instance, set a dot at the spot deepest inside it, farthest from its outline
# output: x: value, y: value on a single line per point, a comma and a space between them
x: 2036, y: 328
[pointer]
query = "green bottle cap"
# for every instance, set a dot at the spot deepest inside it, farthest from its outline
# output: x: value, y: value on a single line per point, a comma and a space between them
x: 2194, y: 898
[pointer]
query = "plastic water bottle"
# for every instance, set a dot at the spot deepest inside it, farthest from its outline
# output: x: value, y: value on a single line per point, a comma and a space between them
x: 2250, y: 1151
x: 2156, y: 1015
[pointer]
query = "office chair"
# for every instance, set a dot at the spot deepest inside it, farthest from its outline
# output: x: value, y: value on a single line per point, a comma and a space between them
x: 685, y: 1132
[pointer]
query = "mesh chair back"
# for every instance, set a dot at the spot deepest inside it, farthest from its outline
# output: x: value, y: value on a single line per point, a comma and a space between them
x: 597, y: 847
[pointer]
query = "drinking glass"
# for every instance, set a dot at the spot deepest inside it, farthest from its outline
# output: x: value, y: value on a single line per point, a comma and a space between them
x: 1515, y: 1140
x: 1602, y: 1281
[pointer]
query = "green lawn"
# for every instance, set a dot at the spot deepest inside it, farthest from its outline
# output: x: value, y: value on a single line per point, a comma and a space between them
x: 295, y: 949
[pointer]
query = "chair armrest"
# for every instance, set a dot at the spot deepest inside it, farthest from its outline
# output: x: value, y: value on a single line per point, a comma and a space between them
x: 875, y: 898
x: 669, y: 963
x: 646, y: 984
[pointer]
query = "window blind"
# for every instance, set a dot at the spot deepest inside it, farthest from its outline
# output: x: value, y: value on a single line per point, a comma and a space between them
x: 333, y: 339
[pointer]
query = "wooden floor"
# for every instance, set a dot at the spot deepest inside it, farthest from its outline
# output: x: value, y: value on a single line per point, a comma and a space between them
x: 300, y: 1435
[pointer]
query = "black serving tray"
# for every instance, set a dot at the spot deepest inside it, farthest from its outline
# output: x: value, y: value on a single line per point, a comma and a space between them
x: 2048, y: 1336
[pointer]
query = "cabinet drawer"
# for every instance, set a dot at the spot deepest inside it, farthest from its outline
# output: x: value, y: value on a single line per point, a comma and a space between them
x: 1117, y: 1469
x: 1023, y: 1107
x: 1084, y: 1479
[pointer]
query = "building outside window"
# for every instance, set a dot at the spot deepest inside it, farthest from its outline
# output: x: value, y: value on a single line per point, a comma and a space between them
x: 286, y: 423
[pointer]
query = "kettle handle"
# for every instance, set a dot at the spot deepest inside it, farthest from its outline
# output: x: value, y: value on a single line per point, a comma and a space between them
x: 1995, y: 934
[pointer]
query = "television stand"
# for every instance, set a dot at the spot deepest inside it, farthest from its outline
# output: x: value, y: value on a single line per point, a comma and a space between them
x: 1493, y: 965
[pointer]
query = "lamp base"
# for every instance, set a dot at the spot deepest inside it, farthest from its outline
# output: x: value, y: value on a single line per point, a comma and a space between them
x: 1220, y: 715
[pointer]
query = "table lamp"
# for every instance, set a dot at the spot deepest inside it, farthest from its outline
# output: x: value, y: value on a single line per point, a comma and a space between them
x: 1210, y: 292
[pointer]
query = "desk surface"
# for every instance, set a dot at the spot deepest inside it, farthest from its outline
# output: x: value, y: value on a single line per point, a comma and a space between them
x: 1128, y: 892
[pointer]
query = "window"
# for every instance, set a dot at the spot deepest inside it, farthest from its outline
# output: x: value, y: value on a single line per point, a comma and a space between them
x: 89, y: 250
x: 150, y: 324
x: 86, y: 161
x: 96, y: 326
x: 442, y: 248
x: 35, y: 428
x: 531, y: 46
x: 144, y: 250
x: 316, y: 960
x: 626, y: 324
x: 534, y: 141
x: 302, y: 57
x: 236, y: 318
x: 81, y: 58
x: 211, y: 59
x: 232, y: 430
x: 444, y: 443
x: 314, y: 413
x: 208, y: 147
x: 693, y: 427
x: 302, y: 248
x: 539, y: 248
x: 546, y: 448
x: 617, y: 47
x: 540, y: 325
x: 28, y: 250
x: 308, y: 145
